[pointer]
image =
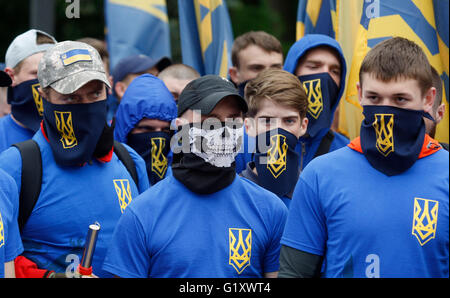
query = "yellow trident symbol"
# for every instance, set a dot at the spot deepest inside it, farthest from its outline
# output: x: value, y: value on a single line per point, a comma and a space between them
x: 315, y: 101
x: 240, y: 251
x: 159, y: 160
x: 65, y: 128
x: 425, y: 219
x: 37, y: 99
x: 123, y: 191
x: 276, y: 155
x: 2, y: 233
x: 384, y: 128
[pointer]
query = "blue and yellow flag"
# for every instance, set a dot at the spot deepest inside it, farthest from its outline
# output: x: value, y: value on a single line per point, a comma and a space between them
x: 206, y: 35
x: 137, y: 27
x: 423, y: 21
x: 316, y: 17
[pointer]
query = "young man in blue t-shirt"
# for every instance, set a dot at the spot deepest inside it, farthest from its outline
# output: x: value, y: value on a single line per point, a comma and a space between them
x: 203, y: 220
x: 276, y: 118
x: 379, y: 207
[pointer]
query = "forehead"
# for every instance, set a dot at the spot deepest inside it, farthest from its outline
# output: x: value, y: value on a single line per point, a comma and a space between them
x: 31, y: 62
x: 156, y: 123
x: 322, y: 54
x: 270, y: 108
x: 400, y: 85
x: 254, y: 54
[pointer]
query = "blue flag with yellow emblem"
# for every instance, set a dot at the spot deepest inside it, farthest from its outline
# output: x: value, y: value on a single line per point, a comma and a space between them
x: 137, y: 27
x: 425, y: 22
x: 206, y: 35
x: 316, y: 17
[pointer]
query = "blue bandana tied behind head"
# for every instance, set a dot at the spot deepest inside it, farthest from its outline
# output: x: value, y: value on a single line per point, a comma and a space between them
x: 277, y: 166
x: 392, y: 138
x: 322, y: 92
x: 74, y: 130
x: 26, y: 104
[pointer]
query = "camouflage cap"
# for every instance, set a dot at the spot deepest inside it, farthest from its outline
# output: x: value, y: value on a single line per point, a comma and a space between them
x: 69, y: 65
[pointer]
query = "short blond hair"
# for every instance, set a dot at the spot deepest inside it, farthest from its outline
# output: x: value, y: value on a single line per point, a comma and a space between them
x: 279, y: 86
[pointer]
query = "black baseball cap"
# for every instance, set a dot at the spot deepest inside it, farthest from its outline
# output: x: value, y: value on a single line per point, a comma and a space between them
x: 5, y: 80
x: 205, y: 93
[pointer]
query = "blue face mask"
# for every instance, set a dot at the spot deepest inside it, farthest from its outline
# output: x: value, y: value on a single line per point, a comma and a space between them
x: 277, y: 164
x: 322, y: 92
x: 74, y: 130
x: 26, y: 104
x: 392, y: 138
x: 154, y: 148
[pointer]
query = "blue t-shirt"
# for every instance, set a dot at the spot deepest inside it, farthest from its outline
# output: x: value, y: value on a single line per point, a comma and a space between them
x: 71, y: 199
x: 367, y: 224
x: 170, y: 231
x: 10, y: 242
x: 11, y: 132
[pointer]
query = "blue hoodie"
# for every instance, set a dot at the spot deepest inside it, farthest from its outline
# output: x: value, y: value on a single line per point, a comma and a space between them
x: 297, y: 50
x: 311, y: 145
x: 146, y: 97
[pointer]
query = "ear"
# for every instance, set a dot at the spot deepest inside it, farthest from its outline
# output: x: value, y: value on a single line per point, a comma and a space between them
x: 120, y: 88
x: 359, y: 88
x: 303, y: 126
x: 250, y: 126
x: 111, y: 83
x: 430, y: 96
x: 10, y: 71
x: 42, y: 93
x: 233, y: 71
x: 440, y: 113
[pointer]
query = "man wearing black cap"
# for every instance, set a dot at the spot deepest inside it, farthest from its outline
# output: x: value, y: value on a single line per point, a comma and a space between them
x: 131, y: 67
x: 204, y: 220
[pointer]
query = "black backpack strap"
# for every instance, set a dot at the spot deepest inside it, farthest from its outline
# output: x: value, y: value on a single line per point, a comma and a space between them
x: 31, y: 180
x: 124, y: 156
x: 325, y: 144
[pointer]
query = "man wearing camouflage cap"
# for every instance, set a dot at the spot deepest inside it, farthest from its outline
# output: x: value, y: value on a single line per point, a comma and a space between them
x: 83, y: 180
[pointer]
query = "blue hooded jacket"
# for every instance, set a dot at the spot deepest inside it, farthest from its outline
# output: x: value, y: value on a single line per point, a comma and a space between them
x: 298, y: 50
x: 146, y: 97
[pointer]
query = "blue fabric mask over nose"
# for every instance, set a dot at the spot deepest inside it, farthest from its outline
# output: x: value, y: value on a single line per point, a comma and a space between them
x: 26, y: 104
x: 322, y: 92
x: 154, y: 148
x: 74, y: 130
x: 392, y: 138
x: 277, y: 163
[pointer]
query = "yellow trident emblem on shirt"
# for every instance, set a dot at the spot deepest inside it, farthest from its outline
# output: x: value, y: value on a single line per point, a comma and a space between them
x: 384, y: 129
x: 65, y: 128
x: 425, y: 219
x: 159, y: 160
x: 315, y: 101
x: 123, y: 191
x: 276, y: 155
x: 240, y: 241
x: 37, y: 99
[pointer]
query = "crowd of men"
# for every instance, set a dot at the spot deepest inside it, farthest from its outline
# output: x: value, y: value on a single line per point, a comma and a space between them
x: 204, y: 176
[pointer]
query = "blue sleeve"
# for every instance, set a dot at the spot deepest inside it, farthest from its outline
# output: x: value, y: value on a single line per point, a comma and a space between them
x: 10, y: 199
x: 11, y: 163
x: 272, y: 256
x: 141, y: 169
x: 127, y: 254
x: 306, y: 224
